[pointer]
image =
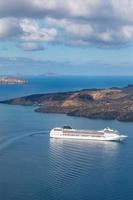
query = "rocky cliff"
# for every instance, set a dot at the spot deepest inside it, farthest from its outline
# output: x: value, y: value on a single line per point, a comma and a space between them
x: 113, y: 103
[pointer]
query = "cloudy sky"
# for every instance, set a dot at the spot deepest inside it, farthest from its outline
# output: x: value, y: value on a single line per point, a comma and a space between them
x: 93, y: 37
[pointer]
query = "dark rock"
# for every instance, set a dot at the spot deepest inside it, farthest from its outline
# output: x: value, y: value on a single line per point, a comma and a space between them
x: 113, y: 103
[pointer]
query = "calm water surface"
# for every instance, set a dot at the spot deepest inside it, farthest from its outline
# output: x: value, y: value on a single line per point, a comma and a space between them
x: 62, y: 83
x: 35, y: 167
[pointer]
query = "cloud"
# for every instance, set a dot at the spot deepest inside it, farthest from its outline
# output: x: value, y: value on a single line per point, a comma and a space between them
x: 32, y: 32
x: 9, y: 28
x: 80, y: 22
x: 85, y: 9
x: 30, y: 46
x: 27, y: 32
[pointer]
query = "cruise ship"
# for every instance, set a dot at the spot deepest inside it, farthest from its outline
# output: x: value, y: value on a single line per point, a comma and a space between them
x: 106, y: 134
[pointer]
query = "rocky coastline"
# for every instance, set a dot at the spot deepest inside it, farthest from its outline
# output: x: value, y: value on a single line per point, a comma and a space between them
x: 107, y: 104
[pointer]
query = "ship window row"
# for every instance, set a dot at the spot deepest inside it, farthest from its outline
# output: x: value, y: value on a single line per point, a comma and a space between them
x: 87, y: 133
x: 84, y: 135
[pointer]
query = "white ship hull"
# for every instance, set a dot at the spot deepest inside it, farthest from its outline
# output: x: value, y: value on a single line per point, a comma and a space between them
x: 98, y: 137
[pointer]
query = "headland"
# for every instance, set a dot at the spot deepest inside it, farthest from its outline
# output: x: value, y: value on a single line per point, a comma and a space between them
x: 113, y: 103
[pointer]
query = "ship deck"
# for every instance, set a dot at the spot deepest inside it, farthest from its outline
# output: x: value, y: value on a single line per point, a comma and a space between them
x: 82, y: 133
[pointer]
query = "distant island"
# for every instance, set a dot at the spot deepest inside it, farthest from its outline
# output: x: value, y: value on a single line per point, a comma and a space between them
x: 8, y: 80
x: 113, y: 103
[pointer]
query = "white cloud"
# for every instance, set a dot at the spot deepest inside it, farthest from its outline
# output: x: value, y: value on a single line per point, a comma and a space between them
x: 30, y: 46
x: 28, y: 32
x: 80, y: 22
x: 32, y: 32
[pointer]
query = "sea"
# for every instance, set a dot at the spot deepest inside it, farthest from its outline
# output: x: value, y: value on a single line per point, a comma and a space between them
x: 36, y: 167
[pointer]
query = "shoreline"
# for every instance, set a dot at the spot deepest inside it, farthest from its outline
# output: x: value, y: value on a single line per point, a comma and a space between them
x: 107, y: 104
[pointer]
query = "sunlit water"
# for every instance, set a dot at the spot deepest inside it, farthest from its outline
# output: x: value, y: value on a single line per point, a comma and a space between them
x: 35, y: 167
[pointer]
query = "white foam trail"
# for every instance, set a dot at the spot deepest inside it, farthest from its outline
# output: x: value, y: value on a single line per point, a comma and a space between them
x: 11, y: 140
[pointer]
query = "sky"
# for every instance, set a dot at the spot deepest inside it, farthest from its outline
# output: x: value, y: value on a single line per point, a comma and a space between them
x: 72, y: 37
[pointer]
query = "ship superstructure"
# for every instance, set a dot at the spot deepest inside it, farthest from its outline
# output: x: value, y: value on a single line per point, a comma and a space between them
x: 106, y: 134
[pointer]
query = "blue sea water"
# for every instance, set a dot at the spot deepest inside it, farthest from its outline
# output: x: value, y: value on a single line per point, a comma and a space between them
x: 62, y: 83
x: 35, y: 167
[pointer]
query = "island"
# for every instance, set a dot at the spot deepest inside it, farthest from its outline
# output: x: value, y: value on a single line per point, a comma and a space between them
x: 112, y: 103
x: 9, y: 80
